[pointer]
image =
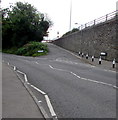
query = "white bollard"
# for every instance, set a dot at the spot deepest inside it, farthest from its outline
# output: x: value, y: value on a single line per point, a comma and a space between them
x: 86, y: 56
x: 82, y: 54
x: 100, y: 60
x: 92, y: 58
x: 114, y: 62
x: 79, y: 53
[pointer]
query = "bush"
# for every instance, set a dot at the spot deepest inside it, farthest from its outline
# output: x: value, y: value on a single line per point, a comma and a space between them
x: 32, y: 48
x: 29, y: 49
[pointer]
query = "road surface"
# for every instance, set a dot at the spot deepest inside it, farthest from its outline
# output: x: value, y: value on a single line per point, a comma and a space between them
x: 76, y: 89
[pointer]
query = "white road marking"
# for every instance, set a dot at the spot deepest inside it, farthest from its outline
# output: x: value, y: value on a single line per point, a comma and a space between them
x: 46, y: 96
x: 14, y: 68
x: 38, y: 90
x: 51, y: 67
x: 75, y: 75
x: 20, y: 72
x: 40, y: 63
x: 36, y: 62
x: 58, y: 69
x: 50, y: 106
x: 66, y: 61
x: 25, y: 76
x: 99, y: 82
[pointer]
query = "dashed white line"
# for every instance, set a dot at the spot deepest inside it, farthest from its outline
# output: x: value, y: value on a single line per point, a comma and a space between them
x: 99, y: 82
x: 75, y: 75
x: 51, y: 67
x: 36, y: 62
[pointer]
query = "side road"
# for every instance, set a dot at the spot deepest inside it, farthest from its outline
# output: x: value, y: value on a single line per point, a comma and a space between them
x: 107, y: 65
x: 16, y: 101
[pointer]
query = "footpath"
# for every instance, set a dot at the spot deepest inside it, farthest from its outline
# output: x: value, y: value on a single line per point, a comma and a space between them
x: 106, y: 65
x: 16, y: 100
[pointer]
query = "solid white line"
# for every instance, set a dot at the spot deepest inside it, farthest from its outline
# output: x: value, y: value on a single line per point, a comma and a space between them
x: 50, y: 106
x: 14, y: 68
x: 25, y: 76
x: 36, y: 62
x: 38, y: 90
x: 50, y: 66
x: 75, y: 75
x: 20, y: 72
x: 115, y: 87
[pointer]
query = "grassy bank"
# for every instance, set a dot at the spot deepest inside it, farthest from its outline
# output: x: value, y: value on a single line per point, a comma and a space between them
x: 30, y: 49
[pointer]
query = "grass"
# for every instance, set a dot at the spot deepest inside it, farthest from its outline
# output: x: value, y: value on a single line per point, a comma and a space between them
x: 29, y: 49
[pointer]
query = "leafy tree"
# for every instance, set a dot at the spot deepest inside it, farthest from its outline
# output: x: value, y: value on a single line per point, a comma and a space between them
x: 70, y: 32
x: 23, y: 23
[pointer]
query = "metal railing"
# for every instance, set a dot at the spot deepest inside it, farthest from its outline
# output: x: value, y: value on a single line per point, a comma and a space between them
x: 102, y: 19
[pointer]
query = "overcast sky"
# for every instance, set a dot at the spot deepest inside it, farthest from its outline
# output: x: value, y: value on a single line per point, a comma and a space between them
x: 83, y: 11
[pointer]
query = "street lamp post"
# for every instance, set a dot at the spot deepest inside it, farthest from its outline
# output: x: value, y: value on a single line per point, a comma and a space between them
x: 70, y: 14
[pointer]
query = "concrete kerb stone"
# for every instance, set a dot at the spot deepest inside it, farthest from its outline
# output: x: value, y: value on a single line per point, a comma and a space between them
x: 30, y: 92
x: 26, y: 83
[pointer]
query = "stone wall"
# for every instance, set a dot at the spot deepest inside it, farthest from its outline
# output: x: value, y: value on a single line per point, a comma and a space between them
x: 93, y: 40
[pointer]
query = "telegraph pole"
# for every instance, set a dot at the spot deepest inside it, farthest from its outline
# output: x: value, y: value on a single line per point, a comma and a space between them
x: 70, y: 14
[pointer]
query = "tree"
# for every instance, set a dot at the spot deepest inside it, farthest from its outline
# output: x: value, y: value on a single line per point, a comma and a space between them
x: 70, y: 32
x: 23, y: 23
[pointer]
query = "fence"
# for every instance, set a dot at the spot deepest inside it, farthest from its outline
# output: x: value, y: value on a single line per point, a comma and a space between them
x: 102, y: 19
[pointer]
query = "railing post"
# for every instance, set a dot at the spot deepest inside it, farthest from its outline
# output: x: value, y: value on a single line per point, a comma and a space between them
x: 106, y: 16
x: 94, y: 22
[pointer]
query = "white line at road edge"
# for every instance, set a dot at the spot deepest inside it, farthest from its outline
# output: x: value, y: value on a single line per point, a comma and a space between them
x: 50, y: 106
x: 25, y: 76
x: 38, y: 90
x: 53, y: 114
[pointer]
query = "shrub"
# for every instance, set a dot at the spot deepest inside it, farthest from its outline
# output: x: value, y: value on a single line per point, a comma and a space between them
x: 32, y: 48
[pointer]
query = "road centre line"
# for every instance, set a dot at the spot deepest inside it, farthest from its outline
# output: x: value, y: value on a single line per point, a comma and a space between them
x: 99, y: 82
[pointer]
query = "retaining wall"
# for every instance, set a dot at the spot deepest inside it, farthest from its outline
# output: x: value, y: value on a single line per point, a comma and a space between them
x: 93, y: 40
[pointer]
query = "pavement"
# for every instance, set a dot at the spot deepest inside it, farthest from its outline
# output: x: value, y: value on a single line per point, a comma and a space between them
x: 16, y: 100
x: 107, y: 65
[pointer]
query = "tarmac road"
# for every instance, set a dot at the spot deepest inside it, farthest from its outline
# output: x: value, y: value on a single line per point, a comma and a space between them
x: 76, y: 89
